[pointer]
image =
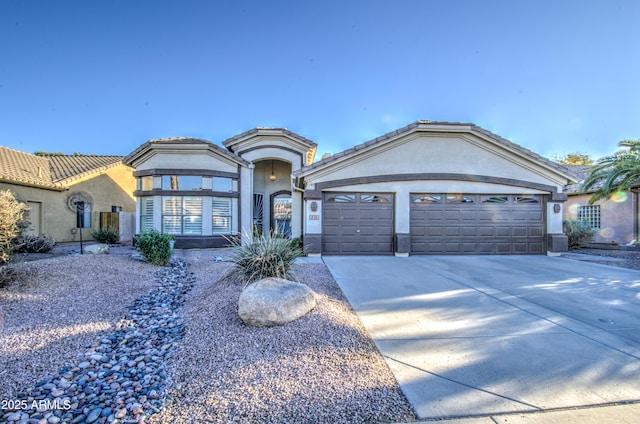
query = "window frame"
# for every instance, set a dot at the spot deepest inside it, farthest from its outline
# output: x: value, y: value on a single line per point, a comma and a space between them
x: 591, y: 214
x: 183, y: 217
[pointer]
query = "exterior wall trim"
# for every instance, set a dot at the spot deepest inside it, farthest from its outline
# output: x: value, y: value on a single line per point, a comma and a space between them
x: 270, y: 146
x: 209, y: 193
x: 319, y: 187
x: 177, y: 171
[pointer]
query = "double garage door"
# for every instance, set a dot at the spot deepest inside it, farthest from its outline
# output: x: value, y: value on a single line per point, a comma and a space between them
x: 363, y: 223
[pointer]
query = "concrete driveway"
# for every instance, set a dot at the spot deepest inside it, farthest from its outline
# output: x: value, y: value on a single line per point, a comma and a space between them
x: 473, y: 336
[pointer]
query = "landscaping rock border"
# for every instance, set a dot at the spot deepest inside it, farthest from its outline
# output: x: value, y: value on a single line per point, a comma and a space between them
x: 121, y: 377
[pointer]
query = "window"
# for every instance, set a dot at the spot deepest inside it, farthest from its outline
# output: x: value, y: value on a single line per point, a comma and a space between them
x: 221, y: 215
x: 182, y: 214
x: 222, y: 184
x: 458, y: 198
x: 181, y: 182
x: 427, y: 198
x: 342, y: 198
x: 146, y: 213
x: 525, y: 199
x: 496, y: 199
x: 373, y: 198
x: 145, y: 183
x: 591, y: 214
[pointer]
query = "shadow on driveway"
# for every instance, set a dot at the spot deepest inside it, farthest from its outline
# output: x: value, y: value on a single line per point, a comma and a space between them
x: 481, y: 335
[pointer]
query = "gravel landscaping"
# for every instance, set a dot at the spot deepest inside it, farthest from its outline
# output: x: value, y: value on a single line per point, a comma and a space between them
x: 113, y: 340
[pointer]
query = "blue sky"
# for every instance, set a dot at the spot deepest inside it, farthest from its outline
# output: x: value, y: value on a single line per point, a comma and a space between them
x: 105, y: 76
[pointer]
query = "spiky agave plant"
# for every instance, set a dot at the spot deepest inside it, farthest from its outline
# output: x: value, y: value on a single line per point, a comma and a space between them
x: 263, y: 256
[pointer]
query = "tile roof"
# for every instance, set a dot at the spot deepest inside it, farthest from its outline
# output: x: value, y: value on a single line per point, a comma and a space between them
x: 131, y: 157
x: 424, y: 123
x: 21, y: 167
x: 256, y: 130
x: 54, y: 171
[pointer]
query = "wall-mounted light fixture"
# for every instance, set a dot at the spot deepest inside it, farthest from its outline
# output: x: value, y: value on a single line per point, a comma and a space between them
x: 272, y: 177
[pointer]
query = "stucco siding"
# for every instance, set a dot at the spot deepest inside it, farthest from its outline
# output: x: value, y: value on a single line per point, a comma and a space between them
x: 436, y: 154
x: 113, y: 187
x: 616, y: 217
x: 187, y: 160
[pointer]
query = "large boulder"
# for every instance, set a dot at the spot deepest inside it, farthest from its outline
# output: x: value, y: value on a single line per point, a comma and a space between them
x: 274, y: 301
x: 97, y: 249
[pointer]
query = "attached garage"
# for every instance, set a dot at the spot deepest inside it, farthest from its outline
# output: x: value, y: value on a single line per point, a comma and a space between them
x: 433, y: 188
x: 357, y: 224
x: 453, y: 224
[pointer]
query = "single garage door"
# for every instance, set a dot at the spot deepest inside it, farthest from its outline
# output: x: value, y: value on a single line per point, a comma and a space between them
x: 357, y: 224
x: 477, y: 224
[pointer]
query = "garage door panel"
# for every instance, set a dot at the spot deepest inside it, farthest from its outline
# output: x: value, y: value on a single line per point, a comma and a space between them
x: 364, y: 225
x: 434, y: 231
x: 484, y: 231
x: 502, y: 231
x: 469, y: 231
x: 451, y: 231
x: 520, y: 232
x: 483, y: 224
x: 536, y: 231
x: 468, y: 215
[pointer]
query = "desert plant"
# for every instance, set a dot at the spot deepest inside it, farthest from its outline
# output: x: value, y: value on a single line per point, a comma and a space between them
x: 108, y: 235
x: 263, y: 256
x: 578, y: 232
x: 296, y: 243
x: 30, y: 243
x: 12, y: 216
x: 155, y: 246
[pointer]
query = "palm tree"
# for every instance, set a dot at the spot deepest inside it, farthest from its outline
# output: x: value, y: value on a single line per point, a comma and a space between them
x: 618, y: 172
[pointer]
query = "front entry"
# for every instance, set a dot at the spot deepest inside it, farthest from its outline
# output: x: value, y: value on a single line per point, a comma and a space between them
x: 357, y: 224
x: 281, y: 212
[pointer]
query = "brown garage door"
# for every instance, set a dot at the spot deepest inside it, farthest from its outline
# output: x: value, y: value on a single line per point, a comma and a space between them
x: 477, y: 224
x: 357, y: 224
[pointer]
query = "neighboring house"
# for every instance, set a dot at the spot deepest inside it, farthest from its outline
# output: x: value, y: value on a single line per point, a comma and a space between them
x: 54, y: 186
x: 615, y: 219
x: 427, y: 188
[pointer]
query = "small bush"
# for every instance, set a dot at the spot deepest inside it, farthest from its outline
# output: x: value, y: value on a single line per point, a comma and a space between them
x: 578, y: 232
x: 263, y: 256
x: 296, y: 243
x: 7, y: 274
x: 30, y: 243
x: 155, y: 246
x: 12, y: 218
x: 108, y: 235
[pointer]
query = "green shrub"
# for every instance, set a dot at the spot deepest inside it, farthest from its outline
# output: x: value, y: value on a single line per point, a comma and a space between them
x: 12, y: 218
x: 7, y: 274
x: 263, y: 256
x: 578, y: 232
x: 108, y: 235
x: 30, y: 243
x: 296, y: 243
x: 155, y: 246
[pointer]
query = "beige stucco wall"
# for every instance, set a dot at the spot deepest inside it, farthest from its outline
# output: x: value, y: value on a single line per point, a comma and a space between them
x: 187, y: 159
x: 420, y: 153
x: 113, y: 187
x: 616, y: 217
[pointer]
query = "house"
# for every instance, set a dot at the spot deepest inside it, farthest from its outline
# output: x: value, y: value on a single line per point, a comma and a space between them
x: 615, y: 220
x: 55, y: 186
x: 427, y: 188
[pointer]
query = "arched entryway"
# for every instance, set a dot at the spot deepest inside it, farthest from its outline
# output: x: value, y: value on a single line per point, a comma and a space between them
x: 272, y: 199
